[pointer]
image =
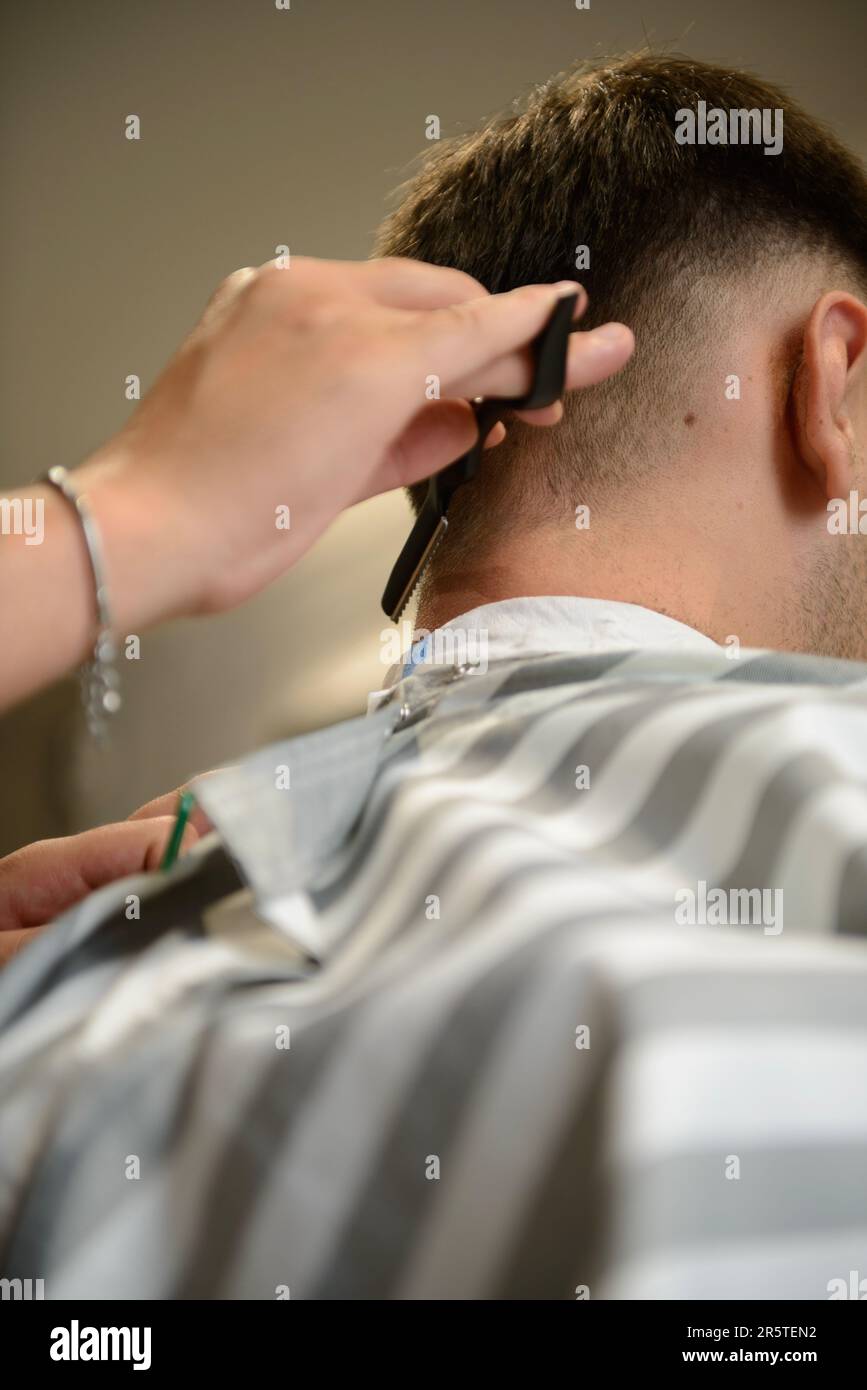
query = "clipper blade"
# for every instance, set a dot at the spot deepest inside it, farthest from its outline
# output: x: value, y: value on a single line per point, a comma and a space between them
x: 396, y: 609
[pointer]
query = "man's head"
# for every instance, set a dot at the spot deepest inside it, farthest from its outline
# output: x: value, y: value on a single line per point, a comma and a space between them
x: 708, y: 462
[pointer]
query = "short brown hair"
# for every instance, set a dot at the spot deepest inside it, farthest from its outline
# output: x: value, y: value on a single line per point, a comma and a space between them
x: 592, y: 160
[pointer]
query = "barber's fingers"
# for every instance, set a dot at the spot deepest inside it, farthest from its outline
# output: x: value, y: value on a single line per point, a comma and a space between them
x: 483, y: 338
x: 443, y: 430
x: 44, y: 879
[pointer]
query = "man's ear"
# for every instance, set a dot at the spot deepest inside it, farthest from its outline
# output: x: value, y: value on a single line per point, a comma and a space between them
x: 828, y: 389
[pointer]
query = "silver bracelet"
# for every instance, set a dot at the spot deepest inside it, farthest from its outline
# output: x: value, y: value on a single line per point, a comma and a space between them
x: 100, y: 681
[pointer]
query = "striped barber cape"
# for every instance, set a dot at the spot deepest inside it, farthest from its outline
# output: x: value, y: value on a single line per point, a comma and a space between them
x: 554, y: 986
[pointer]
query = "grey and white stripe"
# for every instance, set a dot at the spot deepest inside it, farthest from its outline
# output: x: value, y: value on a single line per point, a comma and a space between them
x: 434, y: 1131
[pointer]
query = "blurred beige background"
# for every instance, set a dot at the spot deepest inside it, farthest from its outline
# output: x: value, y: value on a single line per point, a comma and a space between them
x: 259, y: 127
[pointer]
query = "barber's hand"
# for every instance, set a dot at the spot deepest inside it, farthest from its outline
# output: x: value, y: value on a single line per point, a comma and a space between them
x: 304, y: 387
x: 42, y: 880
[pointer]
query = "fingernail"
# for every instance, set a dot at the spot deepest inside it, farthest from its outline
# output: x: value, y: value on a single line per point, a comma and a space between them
x: 496, y: 435
x: 611, y: 332
x: 567, y: 287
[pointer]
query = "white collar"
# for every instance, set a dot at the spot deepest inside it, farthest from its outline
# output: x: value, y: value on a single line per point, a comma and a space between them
x: 541, y: 626
x: 568, y: 623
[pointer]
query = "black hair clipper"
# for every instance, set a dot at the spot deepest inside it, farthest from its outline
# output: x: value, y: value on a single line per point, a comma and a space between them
x: 549, y: 354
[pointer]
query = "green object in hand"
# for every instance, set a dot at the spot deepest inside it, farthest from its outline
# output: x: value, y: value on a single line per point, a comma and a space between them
x: 186, y: 801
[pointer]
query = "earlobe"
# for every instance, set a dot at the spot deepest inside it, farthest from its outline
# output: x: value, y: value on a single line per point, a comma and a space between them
x: 827, y: 384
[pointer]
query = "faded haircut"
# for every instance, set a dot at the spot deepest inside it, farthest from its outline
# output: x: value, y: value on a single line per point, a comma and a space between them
x: 591, y: 160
